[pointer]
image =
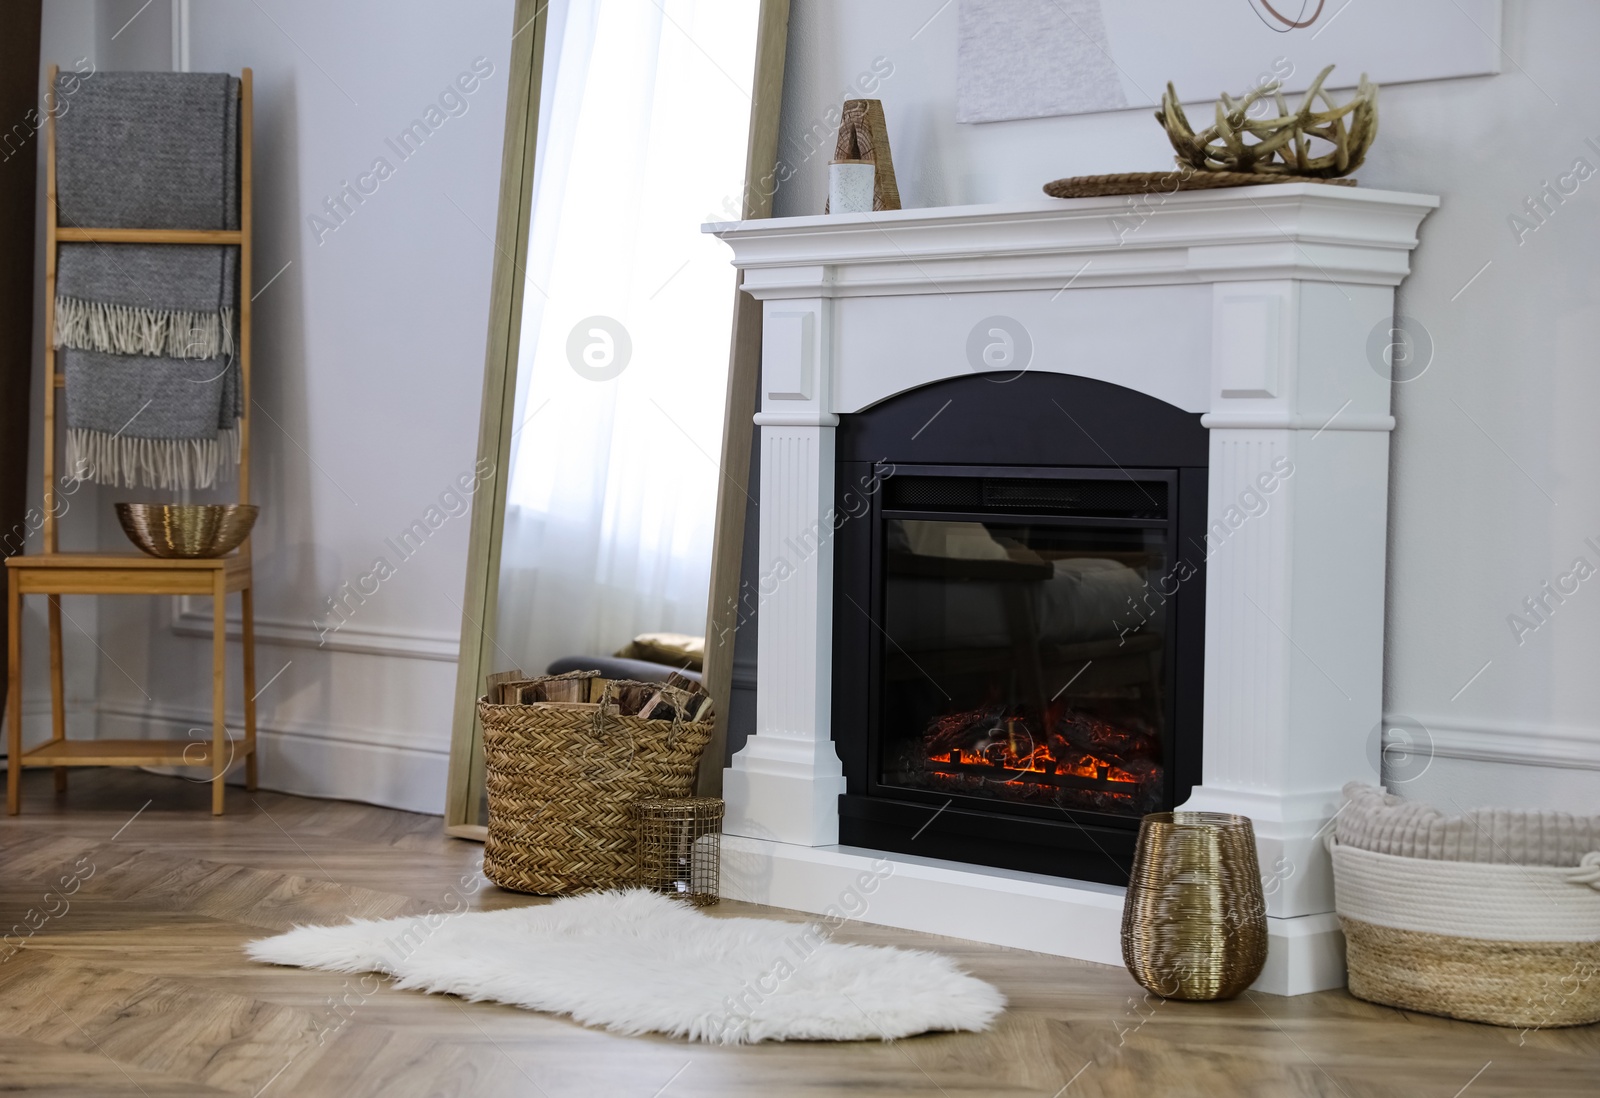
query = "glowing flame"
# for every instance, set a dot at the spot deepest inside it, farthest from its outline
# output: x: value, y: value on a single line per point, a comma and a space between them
x: 1039, y: 761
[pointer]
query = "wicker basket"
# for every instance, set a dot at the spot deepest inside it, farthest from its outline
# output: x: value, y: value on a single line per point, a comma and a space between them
x: 561, y: 782
x: 1513, y: 945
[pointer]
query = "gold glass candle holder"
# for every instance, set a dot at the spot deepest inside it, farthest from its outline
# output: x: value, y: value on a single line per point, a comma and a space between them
x: 1194, y: 925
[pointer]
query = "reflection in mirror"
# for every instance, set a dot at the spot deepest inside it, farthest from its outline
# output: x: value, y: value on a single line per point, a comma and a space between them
x: 628, y: 308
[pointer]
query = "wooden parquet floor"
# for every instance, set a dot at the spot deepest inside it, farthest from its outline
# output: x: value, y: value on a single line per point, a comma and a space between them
x: 135, y: 985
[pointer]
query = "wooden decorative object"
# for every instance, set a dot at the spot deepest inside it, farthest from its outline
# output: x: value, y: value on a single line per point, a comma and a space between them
x: 864, y: 135
x: 1281, y: 145
x: 1194, y: 924
x: 680, y: 847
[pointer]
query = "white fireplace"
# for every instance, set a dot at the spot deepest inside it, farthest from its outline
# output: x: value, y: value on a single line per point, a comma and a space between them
x: 1268, y: 310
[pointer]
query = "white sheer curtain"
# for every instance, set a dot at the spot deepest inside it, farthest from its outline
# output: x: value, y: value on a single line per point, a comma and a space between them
x: 613, y: 482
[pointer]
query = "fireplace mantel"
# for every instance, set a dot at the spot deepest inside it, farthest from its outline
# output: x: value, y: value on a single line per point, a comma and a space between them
x: 1268, y: 309
x: 1299, y: 230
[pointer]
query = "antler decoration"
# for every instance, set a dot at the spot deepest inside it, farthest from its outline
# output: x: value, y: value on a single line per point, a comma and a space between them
x: 1281, y: 145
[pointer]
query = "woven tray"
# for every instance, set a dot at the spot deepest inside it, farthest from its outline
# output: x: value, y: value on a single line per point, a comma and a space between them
x: 561, y: 782
x: 1174, y: 179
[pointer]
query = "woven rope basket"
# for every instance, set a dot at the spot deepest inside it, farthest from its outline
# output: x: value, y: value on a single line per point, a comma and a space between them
x: 1513, y: 945
x: 562, y: 779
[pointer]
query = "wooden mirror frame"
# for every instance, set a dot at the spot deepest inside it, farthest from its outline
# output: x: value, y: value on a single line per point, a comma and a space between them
x: 481, y: 596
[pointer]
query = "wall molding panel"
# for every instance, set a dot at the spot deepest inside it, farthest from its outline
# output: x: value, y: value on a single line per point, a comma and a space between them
x: 1525, y: 743
x: 190, y: 620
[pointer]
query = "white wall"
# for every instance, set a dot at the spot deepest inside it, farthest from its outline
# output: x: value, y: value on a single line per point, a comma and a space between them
x: 368, y: 369
x: 69, y: 32
x: 370, y: 345
x: 1479, y: 518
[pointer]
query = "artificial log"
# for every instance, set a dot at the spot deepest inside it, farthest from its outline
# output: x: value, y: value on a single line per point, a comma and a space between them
x: 960, y: 730
x: 1103, y: 739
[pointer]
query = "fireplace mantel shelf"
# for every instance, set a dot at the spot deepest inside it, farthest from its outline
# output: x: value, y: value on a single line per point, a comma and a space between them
x: 1266, y: 312
x: 1304, y: 231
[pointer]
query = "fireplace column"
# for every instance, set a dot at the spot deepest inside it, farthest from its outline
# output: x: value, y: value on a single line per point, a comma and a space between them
x: 1297, y: 520
x: 785, y: 783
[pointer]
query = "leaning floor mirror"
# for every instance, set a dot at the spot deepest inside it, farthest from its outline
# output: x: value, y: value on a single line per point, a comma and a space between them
x: 621, y: 366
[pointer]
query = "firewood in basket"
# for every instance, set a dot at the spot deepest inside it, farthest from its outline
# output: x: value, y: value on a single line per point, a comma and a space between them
x: 563, y: 690
x: 682, y: 682
x: 667, y: 703
x: 511, y: 692
x: 492, y: 683
x: 630, y: 697
x: 656, y: 706
x: 677, y: 696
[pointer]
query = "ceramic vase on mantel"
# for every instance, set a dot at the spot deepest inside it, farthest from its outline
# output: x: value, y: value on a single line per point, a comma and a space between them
x: 1194, y: 925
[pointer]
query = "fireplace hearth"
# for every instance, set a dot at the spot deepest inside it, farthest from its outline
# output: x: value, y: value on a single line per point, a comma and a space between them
x: 1017, y: 625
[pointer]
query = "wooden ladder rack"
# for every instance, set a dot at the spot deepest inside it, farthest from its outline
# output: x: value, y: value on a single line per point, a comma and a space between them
x: 53, y: 573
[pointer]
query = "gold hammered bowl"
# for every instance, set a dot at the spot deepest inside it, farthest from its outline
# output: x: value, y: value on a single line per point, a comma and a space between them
x: 196, y: 530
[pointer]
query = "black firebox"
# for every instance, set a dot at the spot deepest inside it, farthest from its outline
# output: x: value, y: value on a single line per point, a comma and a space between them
x: 1019, y: 619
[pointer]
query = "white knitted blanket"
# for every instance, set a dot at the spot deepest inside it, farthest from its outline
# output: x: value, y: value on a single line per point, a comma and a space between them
x: 1381, y: 822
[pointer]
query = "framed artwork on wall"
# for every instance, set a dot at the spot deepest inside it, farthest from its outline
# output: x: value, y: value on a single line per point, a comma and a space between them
x: 1026, y: 59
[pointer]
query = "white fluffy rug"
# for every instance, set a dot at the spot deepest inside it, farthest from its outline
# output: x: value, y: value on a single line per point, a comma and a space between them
x: 637, y: 962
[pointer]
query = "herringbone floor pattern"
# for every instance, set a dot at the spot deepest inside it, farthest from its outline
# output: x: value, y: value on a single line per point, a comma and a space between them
x: 134, y: 984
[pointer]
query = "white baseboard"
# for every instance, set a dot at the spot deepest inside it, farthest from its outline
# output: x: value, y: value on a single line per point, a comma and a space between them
x: 172, y: 720
x: 1001, y: 907
x: 1304, y: 954
x: 309, y: 760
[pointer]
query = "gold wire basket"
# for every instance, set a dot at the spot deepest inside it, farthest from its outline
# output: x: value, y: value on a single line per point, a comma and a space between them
x: 680, y: 847
x: 1194, y: 925
x: 187, y: 531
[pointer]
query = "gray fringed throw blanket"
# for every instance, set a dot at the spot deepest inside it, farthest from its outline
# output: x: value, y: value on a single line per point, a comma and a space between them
x: 145, y: 332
